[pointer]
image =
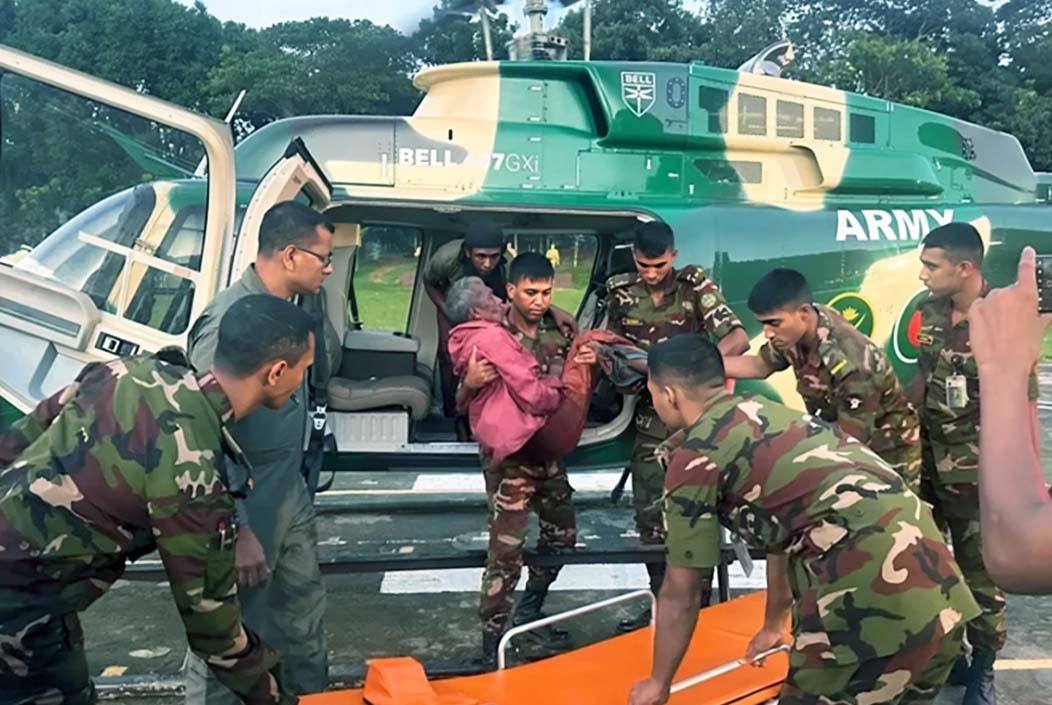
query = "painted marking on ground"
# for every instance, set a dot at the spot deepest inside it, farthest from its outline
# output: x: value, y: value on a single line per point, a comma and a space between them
x: 473, y: 482
x: 603, y: 576
x: 1023, y: 664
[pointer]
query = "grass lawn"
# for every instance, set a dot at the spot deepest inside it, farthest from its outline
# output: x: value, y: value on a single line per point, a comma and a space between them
x: 384, y: 289
x: 1046, y: 347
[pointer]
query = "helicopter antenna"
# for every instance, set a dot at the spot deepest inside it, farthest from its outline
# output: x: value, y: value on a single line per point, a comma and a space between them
x: 200, y: 170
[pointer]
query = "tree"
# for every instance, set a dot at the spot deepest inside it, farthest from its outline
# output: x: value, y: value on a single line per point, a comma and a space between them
x: 637, y: 30
x: 449, y: 37
x: 320, y: 66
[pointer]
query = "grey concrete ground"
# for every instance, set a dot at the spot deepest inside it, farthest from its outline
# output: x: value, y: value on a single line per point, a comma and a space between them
x: 134, y: 631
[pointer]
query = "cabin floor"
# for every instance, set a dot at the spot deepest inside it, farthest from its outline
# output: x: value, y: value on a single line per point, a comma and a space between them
x: 134, y: 631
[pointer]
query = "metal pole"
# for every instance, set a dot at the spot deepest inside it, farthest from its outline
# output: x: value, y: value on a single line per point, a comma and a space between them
x: 725, y: 668
x: 587, y: 30
x: 486, y: 37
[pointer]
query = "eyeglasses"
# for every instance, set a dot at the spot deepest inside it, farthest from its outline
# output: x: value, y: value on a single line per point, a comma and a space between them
x: 326, y: 260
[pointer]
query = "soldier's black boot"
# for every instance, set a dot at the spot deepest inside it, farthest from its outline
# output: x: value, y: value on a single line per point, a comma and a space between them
x: 657, y: 576
x: 551, y: 637
x: 980, y: 683
x: 960, y: 671
x: 490, y: 640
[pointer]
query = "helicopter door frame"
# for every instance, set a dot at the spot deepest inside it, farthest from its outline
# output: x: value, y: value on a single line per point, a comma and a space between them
x: 296, y: 172
x: 214, y: 135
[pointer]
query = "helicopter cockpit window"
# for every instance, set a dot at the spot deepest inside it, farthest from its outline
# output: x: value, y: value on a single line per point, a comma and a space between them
x: 863, y: 128
x: 827, y: 124
x: 790, y: 119
x: 752, y: 114
x: 714, y: 102
x: 75, y: 254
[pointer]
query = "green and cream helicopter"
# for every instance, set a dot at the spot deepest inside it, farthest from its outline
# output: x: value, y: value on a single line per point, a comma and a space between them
x: 750, y: 169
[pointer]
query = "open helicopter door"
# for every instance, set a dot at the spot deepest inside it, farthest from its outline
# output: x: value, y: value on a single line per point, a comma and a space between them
x: 294, y: 177
x: 110, y: 281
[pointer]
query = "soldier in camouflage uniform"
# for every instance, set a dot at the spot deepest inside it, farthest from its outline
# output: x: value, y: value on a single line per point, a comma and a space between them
x: 843, y: 377
x: 133, y: 457
x: 516, y: 485
x: 877, y: 604
x: 946, y: 390
x: 647, y: 307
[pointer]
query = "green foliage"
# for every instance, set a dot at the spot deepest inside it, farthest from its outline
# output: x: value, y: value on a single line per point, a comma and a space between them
x: 989, y: 63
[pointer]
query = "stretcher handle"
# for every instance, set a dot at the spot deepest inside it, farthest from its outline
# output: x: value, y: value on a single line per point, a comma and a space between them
x: 725, y: 668
x: 529, y: 626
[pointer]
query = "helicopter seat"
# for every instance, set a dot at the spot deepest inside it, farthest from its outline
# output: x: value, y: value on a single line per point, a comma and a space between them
x: 377, y: 370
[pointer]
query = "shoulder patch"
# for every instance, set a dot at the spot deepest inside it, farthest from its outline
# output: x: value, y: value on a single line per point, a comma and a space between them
x: 619, y: 281
x: 692, y: 273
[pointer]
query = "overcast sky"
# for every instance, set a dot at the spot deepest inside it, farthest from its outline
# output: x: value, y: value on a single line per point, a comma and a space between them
x: 404, y: 15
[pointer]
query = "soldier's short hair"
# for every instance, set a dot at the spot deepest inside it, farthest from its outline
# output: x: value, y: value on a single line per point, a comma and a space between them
x: 261, y: 329
x: 779, y: 290
x: 532, y: 266
x: 653, y: 239
x: 290, y: 223
x: 960, y: 241
x: 689, y: 361
x: 462, y: 298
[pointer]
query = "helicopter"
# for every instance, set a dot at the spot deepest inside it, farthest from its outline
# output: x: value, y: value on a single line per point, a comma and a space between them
x: 750, y: 169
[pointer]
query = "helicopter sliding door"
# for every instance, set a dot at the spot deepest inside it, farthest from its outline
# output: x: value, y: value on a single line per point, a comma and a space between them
x: 136, y: 234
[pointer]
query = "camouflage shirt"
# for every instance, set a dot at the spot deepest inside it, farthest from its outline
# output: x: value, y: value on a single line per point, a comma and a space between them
x: 692, y: 303
x: 867, y: 564
x: 551, y: 344
x: 849, y: 381
x: 448, y: 265
x: 946, y: 350
x: 128, y: 459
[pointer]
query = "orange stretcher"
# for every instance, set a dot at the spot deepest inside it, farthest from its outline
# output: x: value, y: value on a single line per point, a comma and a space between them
x: 712, y: 672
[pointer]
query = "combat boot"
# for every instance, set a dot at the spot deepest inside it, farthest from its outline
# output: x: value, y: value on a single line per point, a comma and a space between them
x: 550, y: 637
x: 657, y: 577
x: 490, y: 641
x: 980, y: 690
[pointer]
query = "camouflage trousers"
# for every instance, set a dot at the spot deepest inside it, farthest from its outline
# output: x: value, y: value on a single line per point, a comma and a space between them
x: 906, y: 461
x: 286, y: 612
x: 956, y: 510
x: 912, y: 676
x: 512, y: 489
x: 42, y: 659
x: 648, y: 489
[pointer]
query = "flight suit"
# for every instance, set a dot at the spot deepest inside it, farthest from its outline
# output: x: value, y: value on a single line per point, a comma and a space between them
x: 132, y: 457
x: 950, y: 473
x: 515, y: 486
x: 444, y: 268
x: 692, y: 303
x: 288, y: 609
x: 849, y: 381
x: 879, y: 605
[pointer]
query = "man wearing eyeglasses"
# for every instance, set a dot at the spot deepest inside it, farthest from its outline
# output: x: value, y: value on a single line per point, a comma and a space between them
x: 276, y: 557
x: 481, y: 254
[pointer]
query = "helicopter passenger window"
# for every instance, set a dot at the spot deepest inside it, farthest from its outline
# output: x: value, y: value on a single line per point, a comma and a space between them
x: 827, y: 124
x: 790, y: 119
x: 385, y: 268
x: 863, y: 128
x: 752, y: 114
x: 714, y: 102
x: 727, y: 171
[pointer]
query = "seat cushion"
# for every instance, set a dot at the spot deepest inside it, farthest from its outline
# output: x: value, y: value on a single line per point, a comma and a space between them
x: 405, y: 391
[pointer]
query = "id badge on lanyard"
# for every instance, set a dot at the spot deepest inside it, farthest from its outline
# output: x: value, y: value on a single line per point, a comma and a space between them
x: 957, y: 386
